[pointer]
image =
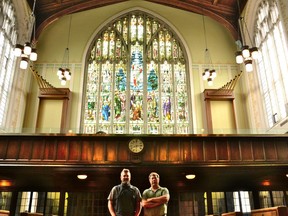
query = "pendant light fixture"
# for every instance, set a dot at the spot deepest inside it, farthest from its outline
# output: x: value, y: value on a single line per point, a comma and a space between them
x: 244, y: 53
x: 64, y: 72
x: 27, y: 52
x: 209, y: 73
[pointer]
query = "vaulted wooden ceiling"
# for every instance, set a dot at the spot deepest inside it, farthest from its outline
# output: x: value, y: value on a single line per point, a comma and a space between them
x: 225, y: 12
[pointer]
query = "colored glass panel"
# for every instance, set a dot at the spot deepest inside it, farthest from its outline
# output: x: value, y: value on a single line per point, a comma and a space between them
x: 136, y: 79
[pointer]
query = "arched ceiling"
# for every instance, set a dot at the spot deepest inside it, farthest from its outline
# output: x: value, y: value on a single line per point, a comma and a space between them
x: 226, y: 12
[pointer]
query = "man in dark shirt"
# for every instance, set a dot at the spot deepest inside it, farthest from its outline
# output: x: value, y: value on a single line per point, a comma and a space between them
x: 124, y: 199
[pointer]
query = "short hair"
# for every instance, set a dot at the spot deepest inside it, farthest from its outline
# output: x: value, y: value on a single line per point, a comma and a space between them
x: 154, y: 174
x: 125, y: 170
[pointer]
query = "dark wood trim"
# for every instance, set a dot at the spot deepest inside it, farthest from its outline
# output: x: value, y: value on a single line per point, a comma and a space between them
x: 110, y: 149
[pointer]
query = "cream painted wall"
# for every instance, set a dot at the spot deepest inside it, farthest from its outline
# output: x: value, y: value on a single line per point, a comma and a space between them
x: 53, y: 41
x: 49, y: 119
x: 222, y: 117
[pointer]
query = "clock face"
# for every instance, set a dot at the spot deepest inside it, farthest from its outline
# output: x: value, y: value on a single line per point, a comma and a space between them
x: 136, y: 145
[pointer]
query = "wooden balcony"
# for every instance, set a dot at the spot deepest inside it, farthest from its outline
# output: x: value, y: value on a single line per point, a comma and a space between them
x: 230, y: 158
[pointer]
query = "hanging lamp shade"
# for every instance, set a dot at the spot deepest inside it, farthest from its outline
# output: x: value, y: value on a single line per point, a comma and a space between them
x: 24, y: 62
x: 27, y: 52
x: 210, y: 81
x: 248, y: 65
x: 18, y: 50
x: 245, y: 51
x: 59, y: 73
x: 239, y: 57
x: 63, y: 81
x: 205, y: 74
x: 213, y: 74
x: 33, y: 55
x: 27, y: 48
x: 254, y: 52
x: 67, y: 74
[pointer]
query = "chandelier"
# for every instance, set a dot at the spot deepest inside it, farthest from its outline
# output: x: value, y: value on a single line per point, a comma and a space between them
x: 244, y: 53
x: 209, y: 73
x: 27, y: 51
x: 64, y: 72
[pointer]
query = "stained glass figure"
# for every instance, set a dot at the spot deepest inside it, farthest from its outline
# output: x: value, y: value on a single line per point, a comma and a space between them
x: 136, y: 79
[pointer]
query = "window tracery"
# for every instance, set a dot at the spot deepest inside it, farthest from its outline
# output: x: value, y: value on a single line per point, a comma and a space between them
x: 8, y: 37
x: 272, y: 64
x: 136, y: 79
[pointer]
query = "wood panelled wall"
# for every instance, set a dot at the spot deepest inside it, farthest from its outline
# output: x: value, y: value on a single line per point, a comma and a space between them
x: 111, y: 149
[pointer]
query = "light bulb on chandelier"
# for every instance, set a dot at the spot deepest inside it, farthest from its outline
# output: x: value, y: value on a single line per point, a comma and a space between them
x: 245, y: 54
x: 64, y: 75
x: 27, y: 51
x: 24, y: 62
x: 63, y: 72
x: 208, y: 74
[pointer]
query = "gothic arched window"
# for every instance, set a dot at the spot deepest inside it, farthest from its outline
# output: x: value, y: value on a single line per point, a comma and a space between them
x: 8, y: 37
x: 272, y: 61
x: 136, y: 79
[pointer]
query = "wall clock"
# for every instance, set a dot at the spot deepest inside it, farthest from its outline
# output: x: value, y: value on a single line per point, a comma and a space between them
x: 136, y: 145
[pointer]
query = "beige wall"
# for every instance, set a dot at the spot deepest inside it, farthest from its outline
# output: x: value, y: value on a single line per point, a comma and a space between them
x: 53, y: 41
x: 222, y: 117
x: 49, y: 118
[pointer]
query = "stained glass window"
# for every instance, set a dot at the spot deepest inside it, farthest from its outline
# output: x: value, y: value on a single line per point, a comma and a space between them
x: 136, y: 80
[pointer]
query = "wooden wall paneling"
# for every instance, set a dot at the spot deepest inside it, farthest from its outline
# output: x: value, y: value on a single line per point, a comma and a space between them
x: 162, y: 150
x: 174, y: 151
x: 3, y: 148
x: 222, y: 149
x: 235, y: 154
x: 50, y: 149
x: 99, y: 151
x: 13, y: 149
x: 123, y: 151
x: 149, y: 153
x: 37, y: 149
x: 210, y: 150
x: 258, y: 151
x: 62, y: 150
x: 270, y: 150
x: 111, y: 150
x: 246, y: 150
x: 186, y: 150
x: 282, y: 149
x: 25, y: 149
x: 74, y: 150
x: 87, y: 151
x: 197, y: 150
